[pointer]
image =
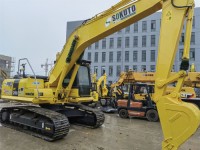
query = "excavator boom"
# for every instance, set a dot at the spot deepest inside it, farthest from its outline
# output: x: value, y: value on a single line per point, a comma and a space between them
x: 192, y: 79
x: 179, y: 120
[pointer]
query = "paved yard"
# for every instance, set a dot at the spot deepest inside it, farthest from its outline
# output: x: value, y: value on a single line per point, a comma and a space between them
x: 115, y: 134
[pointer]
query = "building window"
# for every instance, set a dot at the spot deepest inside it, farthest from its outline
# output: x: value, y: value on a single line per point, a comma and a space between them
x: 152, y: 67
x: 193, y: 22
x: 127, y: 43
x: 126, y: 56
x: 119, y: 42
x: 135, y: 56
x: 153, y: 55
x: 96, y: 57
x: 7, y: 65
x: 103, y: 56
x: 135, y: 41
x: 143, y: 68
x: 182, y: 39
x: 103, y: 70
x: 96, y: 70
x: 180, y: 54
x: 119, y: 58
x: 126, y: 68
x: 110, y: 73
x: 144, y: 41
x: 153, y: 40
x: 153, y: 25
x: 143, y: 56
x: 111, y: 43
x: 192, y: 54
x: 119, y: 32
x: 135, y: 68
x: 144, y: 26
x: 193, y: 38
x: 118, y: 70
x: 104, y: 43
x: 173, y: 68
x: 89, y: 56
x: 135, y: 27
x: 89, y: 47
x: 127, y: 29
x: 110, y: 56
x: 96, y: 45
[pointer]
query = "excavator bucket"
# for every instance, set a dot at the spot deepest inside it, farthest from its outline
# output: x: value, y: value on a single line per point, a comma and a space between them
x: 179, y: 121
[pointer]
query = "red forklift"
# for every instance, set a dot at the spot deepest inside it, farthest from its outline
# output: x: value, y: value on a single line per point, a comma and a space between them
x: 142, y: 107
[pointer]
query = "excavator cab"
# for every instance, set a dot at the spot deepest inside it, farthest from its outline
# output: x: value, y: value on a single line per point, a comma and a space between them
x: 82, y: 83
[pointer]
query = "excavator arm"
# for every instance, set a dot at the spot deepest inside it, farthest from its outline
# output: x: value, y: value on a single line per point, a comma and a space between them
x: 94, y: 78
x: 100, y: 88
x: 123, y: 76
x: 192, y: 79
x: 3, y: 74
x: 101, y: 85
x: 179, y: 120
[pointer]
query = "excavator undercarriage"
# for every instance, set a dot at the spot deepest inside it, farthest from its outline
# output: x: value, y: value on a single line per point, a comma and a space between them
x: 49, y: 122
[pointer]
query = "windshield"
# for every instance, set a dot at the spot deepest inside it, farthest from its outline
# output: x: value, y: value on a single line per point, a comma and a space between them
x: 83, y: 76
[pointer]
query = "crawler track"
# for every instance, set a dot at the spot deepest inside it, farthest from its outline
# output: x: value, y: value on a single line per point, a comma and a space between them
x: 43, y: 123
x: 79, y: 114
x: 93, y: 118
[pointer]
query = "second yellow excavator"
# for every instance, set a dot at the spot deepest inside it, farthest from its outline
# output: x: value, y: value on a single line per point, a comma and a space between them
x: 187, y: 91
x: 102, y: 93
x: 100, y: 90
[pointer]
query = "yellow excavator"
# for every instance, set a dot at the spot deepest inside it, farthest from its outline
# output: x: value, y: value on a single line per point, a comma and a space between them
x: 60, y: 94
x: 100, y: 90
x: 102, y: 93
x: 187, y: 91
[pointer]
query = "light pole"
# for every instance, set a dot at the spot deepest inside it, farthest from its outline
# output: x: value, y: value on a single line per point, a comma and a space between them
x: 46, y: 66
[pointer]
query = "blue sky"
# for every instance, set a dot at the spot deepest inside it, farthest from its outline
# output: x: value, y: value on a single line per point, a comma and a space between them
x: 36, y: 29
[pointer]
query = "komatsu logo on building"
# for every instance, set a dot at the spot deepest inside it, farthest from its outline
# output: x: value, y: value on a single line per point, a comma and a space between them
x: 121, y: 15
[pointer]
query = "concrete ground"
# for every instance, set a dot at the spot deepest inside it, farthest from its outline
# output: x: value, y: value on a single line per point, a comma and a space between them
x: 115, y: 134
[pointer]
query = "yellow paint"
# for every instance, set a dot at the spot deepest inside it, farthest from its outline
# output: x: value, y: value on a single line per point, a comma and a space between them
x: 101, y: 88
x: 47, y: 128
